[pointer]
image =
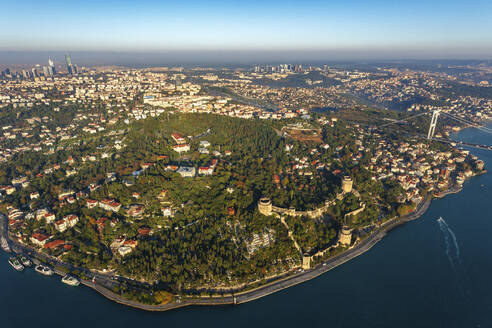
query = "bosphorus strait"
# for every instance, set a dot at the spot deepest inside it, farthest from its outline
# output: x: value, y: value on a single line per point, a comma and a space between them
x: 430, y: 272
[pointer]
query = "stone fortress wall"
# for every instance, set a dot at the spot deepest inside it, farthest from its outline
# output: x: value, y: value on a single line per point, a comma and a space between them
x: 266, y: 207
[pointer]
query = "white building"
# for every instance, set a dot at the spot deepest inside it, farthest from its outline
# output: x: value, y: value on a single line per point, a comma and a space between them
x: 187, y: 172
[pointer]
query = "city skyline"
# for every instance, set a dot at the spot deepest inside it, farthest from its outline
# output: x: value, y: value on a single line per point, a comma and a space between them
x: 311, y: 30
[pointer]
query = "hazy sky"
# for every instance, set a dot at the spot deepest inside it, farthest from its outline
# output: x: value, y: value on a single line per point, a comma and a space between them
x: 453, y: 28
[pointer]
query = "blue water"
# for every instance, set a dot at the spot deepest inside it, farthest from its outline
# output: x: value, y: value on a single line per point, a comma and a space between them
x: 418, y: 276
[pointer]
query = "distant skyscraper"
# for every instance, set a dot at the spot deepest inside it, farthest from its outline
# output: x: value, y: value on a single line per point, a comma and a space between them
x: 68, y: 60
x: 51, y: 67
x: 46, y: 72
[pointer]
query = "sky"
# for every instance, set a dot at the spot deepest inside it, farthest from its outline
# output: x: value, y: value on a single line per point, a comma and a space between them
x: 342, y: 29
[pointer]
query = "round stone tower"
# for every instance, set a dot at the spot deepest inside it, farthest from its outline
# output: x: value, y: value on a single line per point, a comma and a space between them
x: 345, y: 237
x: 265, y: 206
x: 347, y: 184
x: 306, y: 262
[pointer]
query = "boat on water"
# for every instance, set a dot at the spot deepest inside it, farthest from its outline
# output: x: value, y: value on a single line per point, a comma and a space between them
x: 69, y: 280
x: 16, y: 264
x: 25, y: 261
x: 44, y: 270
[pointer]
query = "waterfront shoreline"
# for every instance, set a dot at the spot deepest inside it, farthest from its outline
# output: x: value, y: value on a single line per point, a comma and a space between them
x: 288, y: 280
x: 266, y: 289
x: 276, y: 286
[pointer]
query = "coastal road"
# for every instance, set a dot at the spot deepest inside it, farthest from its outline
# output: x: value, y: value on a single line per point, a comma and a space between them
x: 104, y: 281
x: 290, y: 281
x: 335, y: 261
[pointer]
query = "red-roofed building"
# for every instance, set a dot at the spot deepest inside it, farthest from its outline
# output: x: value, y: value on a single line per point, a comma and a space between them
x: 67, y: 222
x: 110, y: 205
x: 162, y: 194
x: 144, y: 231
x: 15, y: 222
x: 91, y: 203
x: 178, y: 138
x: 100, y: 223
x: 171, y: 168
x: 130, y: 243
x: 39, y: 239
x: 181, y: 148
x: 54, y: 244
x: 205, y: 170
x: 146, y: 165
x: 135, y: 210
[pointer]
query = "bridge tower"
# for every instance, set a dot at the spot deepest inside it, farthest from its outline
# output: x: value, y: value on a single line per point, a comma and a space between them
x: 432, y: 126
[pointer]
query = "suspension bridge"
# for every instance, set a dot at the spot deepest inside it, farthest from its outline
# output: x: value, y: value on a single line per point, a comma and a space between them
x: 433, y: 123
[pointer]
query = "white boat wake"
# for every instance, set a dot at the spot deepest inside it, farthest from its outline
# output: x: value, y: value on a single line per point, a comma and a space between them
x: 446, y: 230
x: 446, y: 240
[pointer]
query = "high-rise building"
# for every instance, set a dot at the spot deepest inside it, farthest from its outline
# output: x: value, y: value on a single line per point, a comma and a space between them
x: 46, y: 73
x: 178, y: 82
x: 68, y: 60
x: 51, y: 67
x: 6, y: 73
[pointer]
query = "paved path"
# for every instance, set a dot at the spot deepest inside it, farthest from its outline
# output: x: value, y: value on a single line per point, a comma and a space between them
x: 290, y: 234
